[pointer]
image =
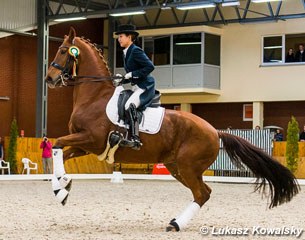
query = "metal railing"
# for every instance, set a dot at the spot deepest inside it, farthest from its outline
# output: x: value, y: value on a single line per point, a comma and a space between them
x: 223, y: 166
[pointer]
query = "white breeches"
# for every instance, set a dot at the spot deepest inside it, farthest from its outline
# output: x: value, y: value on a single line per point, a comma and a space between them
x: 135, y: 97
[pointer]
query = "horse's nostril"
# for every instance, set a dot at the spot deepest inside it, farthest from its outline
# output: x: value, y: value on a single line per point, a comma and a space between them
x: 49, y: 79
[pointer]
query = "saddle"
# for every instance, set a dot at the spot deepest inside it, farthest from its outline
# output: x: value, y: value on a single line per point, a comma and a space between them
x: 151, y: 120
x: 123, y: 98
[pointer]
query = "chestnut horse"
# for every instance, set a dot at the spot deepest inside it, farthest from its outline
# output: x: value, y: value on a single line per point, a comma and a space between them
x: 186, y: 144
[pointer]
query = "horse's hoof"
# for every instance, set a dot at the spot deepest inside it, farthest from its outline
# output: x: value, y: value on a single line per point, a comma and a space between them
x: 61, y: 196
x: 69, y: 186
x: 65, y: 200
x: 170, y: 228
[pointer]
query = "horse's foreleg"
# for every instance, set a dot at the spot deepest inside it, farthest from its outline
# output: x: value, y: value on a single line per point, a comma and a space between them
x: 61, y: 181
x: 74, y: 140
x: 73, y: 152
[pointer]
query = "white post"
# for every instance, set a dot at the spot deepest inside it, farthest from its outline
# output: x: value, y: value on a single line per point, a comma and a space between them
x: 258, y: 114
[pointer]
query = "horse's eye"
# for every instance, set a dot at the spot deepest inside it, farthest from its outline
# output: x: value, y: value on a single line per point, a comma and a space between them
x: 63, y: 51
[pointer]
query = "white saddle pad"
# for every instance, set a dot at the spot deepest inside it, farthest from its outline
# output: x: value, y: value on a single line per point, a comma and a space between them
x: 152, y: 117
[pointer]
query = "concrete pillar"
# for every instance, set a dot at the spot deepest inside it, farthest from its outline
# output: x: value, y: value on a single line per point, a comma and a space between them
x: 187, y: 107
x: 258, y: 114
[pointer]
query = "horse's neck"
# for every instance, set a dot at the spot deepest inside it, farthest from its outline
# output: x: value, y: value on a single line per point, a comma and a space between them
x: 91, y: 64
x: 87, y: 94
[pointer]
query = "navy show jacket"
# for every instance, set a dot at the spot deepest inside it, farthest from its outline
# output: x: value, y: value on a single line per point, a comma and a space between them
x: 137, y: 62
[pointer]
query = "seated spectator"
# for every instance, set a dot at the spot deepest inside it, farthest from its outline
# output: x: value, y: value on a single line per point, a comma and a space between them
x: 302, y: 135
x: 257, y: 127
x: 290, y: 56
x: 278, y: 137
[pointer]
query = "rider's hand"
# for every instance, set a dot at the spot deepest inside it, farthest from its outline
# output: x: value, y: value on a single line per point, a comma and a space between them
x: 118, y: 79
x: 118, y: 75
x: 128, y: 75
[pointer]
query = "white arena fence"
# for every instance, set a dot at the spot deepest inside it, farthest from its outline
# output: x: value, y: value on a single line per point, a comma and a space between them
x: 223, y: 165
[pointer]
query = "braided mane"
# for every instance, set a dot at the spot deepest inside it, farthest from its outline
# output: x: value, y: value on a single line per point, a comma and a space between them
x: 98, y: 50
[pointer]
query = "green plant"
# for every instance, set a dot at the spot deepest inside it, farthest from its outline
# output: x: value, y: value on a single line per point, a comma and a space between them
x: 292, y: 148
x: 12, y: 148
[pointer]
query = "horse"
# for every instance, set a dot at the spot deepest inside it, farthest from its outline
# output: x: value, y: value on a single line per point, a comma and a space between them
x: 186, y: 144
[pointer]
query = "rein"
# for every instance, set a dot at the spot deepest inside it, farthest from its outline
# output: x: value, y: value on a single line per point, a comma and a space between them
x: 72, y: 82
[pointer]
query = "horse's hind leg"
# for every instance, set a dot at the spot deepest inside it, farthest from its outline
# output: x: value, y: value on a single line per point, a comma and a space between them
x: 192, y: 178
x: 172, y: 168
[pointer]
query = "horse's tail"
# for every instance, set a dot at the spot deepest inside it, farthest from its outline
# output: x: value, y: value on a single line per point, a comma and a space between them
x: 282, y: 183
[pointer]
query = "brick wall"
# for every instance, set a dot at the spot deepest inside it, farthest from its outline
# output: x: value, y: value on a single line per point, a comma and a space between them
x: 18, y: 63
x: 222, y: 115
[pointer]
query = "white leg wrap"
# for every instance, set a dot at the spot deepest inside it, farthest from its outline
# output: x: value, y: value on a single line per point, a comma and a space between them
x: 55, y: 183
x: 65, y: 180
x: 60, y: 192
x: 187, y: 215
x: 58, y: 164
x: 62, y: 195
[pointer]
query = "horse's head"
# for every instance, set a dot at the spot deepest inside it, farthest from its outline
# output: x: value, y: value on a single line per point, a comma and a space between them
x: 61, y: 68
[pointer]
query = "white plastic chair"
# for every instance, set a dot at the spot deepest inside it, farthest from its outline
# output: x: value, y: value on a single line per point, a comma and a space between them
x: 28, y: 165
x: 5, y: 165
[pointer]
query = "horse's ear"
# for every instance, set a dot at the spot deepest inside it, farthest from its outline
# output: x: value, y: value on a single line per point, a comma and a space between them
x: 72, y: 34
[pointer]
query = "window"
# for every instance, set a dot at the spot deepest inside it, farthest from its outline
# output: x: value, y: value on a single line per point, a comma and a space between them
x: 158, y: 49
x: 283, y: 49
x: 212, y: 49
x: 293, y: 42
x: 248, y: 112
x: 187, y: 48
x: 272, y: 51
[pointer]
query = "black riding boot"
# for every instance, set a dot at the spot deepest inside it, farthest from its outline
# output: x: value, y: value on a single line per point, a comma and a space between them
x: 134, y: 127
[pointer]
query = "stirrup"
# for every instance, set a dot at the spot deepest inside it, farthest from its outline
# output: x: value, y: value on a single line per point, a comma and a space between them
x: 137, y: 144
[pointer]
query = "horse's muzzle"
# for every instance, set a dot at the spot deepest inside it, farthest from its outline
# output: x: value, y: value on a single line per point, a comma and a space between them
x: 52, y: 83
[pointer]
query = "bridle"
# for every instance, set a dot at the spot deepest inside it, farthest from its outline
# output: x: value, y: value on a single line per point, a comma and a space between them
x: 65, y: 71
x: 68, y: 79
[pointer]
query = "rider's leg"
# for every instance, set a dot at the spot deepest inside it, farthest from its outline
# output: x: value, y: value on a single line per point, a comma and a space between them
x: 135, y: 97
x: 134, y: 126
x: 131, y: 106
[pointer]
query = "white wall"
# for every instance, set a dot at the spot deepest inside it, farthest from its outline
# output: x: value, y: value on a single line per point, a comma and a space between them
x: 243, y: 79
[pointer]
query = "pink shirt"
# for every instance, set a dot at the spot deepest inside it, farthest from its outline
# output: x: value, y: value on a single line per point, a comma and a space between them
x: 46, y: 149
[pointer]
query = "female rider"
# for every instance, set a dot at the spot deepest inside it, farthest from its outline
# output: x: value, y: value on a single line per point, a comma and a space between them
x: 138, y: 68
